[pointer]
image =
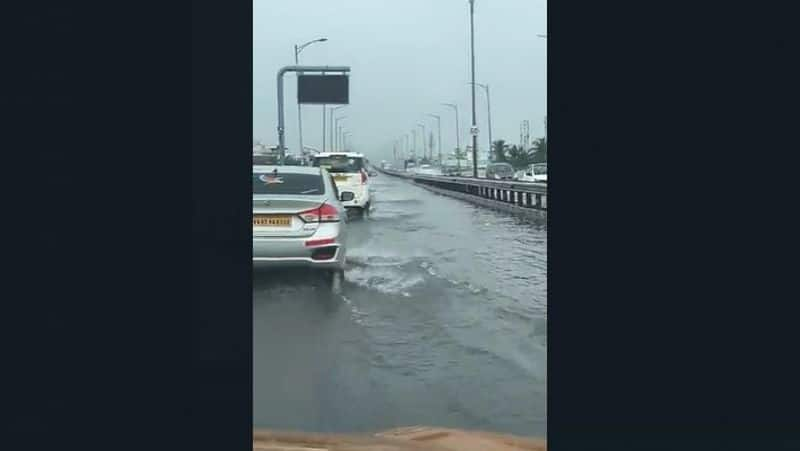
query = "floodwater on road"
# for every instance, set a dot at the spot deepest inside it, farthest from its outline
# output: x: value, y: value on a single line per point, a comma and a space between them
x: 442, y: 321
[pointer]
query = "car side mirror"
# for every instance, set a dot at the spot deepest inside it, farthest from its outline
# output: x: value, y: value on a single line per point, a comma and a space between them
x: 346, y: 196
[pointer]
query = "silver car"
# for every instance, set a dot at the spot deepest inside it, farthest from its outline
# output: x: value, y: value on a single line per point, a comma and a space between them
x: 299, y: 220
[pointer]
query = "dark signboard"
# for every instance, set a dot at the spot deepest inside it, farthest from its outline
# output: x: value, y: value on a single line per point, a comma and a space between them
x: 323, y: 89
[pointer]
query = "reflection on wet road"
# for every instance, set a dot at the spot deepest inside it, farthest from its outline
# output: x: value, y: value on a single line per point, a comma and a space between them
x: 442, y: 321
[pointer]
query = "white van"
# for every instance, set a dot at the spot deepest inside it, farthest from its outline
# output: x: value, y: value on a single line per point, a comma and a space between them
x: 534, y: 173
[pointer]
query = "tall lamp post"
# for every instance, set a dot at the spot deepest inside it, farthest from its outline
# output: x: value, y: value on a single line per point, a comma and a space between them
x: 336, y: 145
x: 545, y: 118
x: 489, y: 112
x: 414, y: 144
x: 474, y: 129
x: 439, y: 127
x: 344, y: 140
x: 333, y: 110
x: 458, y: 130
x: 424, y: 143
x: 458, y: 139
x: 297, y: 50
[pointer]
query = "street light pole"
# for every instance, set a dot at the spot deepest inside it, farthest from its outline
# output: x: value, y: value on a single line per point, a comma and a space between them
x: 297, y: 50
x: 424, y: 141
x: 458, y: 130
x: 344, y: 141
x: 489, y: 112
x: 439, y: 127
x: 474, y: 130
x: 414, y: 147
x: 338, y: 128
x: 333, y: 110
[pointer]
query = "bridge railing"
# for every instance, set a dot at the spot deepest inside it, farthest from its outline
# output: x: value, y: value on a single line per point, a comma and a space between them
x: 519, y: 194
x: 511, y: 194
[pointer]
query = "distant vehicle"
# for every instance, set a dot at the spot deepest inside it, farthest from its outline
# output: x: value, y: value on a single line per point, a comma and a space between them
x: 534, y: 173
x: 500, y: 171
x: 427, y: 169
x: 350, y: 174
x: 265, y: 159
x: 452, y: 166
x: 298, y: 220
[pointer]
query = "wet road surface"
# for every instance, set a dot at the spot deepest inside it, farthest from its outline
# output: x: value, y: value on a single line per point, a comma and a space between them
x: 441, y: 322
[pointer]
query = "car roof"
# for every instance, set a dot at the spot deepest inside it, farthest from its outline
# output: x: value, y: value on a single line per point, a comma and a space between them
x: 339, y: 154
x: 287, y: 169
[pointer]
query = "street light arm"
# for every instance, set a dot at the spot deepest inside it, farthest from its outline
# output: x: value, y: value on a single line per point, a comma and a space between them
x: 301, y: 47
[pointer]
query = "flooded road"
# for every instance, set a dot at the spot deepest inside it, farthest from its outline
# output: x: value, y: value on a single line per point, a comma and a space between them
x: 442, y: 322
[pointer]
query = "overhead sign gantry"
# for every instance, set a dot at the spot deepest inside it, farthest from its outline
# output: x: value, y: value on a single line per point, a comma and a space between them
x: 329, y: 86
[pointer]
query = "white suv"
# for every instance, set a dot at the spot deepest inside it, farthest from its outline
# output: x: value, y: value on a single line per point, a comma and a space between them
x: 350, y: 174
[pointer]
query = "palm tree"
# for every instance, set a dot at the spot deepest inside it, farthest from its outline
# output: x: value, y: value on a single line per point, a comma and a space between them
x: 539, y: 150
x: 499, y: 150
x: 519, y: 157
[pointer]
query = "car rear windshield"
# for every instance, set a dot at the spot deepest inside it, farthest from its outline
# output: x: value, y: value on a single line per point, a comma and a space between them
x: 502, y: 168
x: 277, y: 183
x: 339, y: 163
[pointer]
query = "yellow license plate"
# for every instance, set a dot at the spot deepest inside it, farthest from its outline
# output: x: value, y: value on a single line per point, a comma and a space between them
x: 341, y: 178
x: 272, y: 221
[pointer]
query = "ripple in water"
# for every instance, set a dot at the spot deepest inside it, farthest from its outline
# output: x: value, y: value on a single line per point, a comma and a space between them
x: 384, y: 279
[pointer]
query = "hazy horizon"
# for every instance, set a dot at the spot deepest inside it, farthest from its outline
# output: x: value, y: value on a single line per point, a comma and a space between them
x: 406, y: 59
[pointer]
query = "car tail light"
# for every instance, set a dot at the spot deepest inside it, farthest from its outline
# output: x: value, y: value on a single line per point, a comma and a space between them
x: 325, y: 213
x: 363, y: 177
x: 321, y: 242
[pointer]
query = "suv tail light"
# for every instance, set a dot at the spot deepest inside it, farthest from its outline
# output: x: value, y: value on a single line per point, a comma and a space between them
x: 325, y: 213
x: 363, y: 176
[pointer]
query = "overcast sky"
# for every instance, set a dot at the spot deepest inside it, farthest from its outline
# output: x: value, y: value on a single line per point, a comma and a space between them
x: 406, y: 58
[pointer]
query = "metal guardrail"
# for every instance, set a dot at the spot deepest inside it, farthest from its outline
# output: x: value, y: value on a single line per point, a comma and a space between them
x: 524, y: 187
x: 511, y: 195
